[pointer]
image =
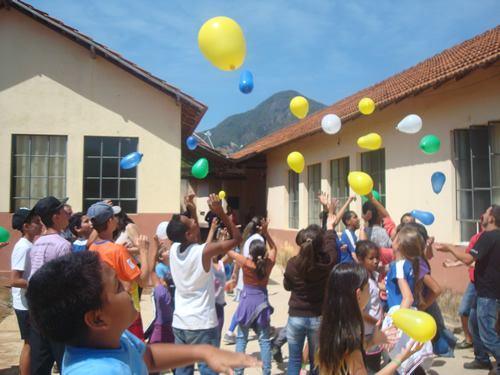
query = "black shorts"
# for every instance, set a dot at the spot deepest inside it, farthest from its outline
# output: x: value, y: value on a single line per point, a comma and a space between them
x: 23, y: 319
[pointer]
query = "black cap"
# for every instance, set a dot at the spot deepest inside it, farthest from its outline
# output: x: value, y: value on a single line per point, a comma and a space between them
x: 48, y: 206
x: 21, y: 216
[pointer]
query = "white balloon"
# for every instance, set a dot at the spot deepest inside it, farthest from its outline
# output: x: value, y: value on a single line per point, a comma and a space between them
x: 411, y: 124
x: 331, y: 124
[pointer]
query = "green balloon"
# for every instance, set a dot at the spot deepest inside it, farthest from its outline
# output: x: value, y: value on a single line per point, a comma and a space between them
x: 375, y: 194
x: 4, y: 235
x: 200, y: 168
x: 430, y: 144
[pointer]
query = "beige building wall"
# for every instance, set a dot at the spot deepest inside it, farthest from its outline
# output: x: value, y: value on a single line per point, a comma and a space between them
x: 473, y: 100
x: 51, y: 85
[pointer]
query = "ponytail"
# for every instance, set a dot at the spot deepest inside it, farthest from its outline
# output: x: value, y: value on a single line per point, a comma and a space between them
x: 258, y: 254
x: 411, y: 247
x: 310, y: 247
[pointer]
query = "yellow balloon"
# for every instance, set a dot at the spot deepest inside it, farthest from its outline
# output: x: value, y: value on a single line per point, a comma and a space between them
x: 222, y: 195
x: 360, y: 182
x: 299, y: 107
x: 371, y: 141
x: 366, y: 106
x: 295, y: 161
x: 419, y: 325
x: 222, y: 42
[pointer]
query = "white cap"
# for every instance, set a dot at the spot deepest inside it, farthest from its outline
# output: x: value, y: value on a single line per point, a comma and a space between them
x: 161, y: 230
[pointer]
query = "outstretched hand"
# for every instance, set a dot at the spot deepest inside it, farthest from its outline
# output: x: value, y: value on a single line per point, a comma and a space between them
x: 223, y: 361
x: 215, y: 204
x: 264, y: 225
x: 3, y: 244
x: 323, y: 199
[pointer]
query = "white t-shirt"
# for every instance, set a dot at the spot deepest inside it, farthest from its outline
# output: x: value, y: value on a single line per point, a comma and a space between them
x: 194, y: 289
x: 246, y: 253
x: 20, y: 261
x: 374, y: 306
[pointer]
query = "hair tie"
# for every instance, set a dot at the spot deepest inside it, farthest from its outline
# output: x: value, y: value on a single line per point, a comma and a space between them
x: 259, y: 257
x: 309, y: 240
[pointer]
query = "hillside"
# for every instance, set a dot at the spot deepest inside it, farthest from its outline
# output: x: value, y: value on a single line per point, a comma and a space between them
x: 270, y: 115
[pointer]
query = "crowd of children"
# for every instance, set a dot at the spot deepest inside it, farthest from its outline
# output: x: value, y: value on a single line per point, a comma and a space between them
x: 76, y: 282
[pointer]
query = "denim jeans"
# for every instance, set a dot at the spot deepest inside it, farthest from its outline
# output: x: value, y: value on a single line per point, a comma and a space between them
x: 264, y: 343
x: 298, y: 328
x: 445, y: 341
x: 199, y: 336
x: 484, y: 336
x: 468, y: 300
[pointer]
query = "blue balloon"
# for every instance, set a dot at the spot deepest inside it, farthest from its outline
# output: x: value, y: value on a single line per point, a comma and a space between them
x: 437, y: 180
x: 424, y: 217
x: 131, y: 160
x: 246, y: 82
x: 191, y: 142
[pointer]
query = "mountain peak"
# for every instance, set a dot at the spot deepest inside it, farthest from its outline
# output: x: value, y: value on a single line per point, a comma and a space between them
x: 268, y: 116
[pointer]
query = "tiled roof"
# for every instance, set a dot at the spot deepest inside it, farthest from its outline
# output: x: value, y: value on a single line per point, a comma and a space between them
x: 192, y: 110
x: 452, y: 63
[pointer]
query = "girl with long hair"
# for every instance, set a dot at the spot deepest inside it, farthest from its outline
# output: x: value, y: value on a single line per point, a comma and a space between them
x: 341, y: 339
x: 305, y: 277
x: 254, y: 310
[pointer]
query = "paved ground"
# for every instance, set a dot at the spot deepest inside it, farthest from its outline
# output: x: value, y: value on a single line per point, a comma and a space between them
x: 10, y: 344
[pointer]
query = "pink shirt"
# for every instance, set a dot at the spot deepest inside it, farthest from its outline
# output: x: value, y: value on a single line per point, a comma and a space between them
x: 46, y: 248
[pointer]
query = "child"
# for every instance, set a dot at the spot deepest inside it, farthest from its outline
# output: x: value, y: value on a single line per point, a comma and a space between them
x: 305, y: 276
x: 30, y: 227
x: 81, y: 227
x: 351, y: 222
x: 195, y: 317
x: 104, y: 222
x: 254, y: 310
x: 404, y: 285
x: 161, y: 327
x: 251, y: 232
x: 93, y: 326
x: 50, y: 245
x: 341, y: 339
x: 368, y: 255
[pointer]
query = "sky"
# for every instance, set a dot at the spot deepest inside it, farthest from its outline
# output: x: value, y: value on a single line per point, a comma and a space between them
x: 324, y: 49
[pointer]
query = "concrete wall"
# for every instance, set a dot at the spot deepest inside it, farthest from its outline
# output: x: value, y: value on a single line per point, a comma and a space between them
x: 473, y: 100
x: 51, y: 85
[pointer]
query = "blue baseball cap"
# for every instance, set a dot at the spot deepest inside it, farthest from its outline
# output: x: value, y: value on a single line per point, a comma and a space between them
x: 101, y: 212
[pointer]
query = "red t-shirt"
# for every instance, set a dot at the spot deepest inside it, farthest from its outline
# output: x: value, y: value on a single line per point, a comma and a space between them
x: 472, y: 242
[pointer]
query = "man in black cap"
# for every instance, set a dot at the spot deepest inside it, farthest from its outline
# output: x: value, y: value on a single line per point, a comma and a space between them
x: 47, y: 247
x: 30, y: 226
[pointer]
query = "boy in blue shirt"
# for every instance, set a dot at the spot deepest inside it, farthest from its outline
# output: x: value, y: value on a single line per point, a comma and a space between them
x: 348, y: 238
x: 81, y: 227
x: 77, y: 300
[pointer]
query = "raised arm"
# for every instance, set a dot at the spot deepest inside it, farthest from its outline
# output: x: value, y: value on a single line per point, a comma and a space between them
x: 379, y: 206
x: 147, y: 257
x: 191, y: 206
x: 221, y: 247
x: 212, y: 230
x: 339, y: 214
x: 271, y: 253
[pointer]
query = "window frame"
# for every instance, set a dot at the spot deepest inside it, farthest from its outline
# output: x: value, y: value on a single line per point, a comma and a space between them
x: 118, y: 199
x: 378, y: 177
x: 470, y: 225
x: 313, y: 204
x: 293, y: 199
x: 14, y: 173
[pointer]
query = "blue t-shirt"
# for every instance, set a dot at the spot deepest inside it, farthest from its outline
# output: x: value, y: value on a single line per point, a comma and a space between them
x: 346, y: 256
x: 127, y: 360
x: 401, y: 269
x: 79, y: 245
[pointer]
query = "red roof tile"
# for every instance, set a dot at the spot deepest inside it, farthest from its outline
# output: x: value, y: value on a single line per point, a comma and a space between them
x: 192, y: 109
x: 452, y: 63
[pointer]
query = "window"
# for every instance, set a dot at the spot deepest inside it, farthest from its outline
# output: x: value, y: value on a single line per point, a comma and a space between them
x: 373, y: 163
x: 477, y: 174
x: 313, y: 189
x: 38, y: 168
x: 293, y: 200
x: 102, y: 176
x: 339, y: 169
